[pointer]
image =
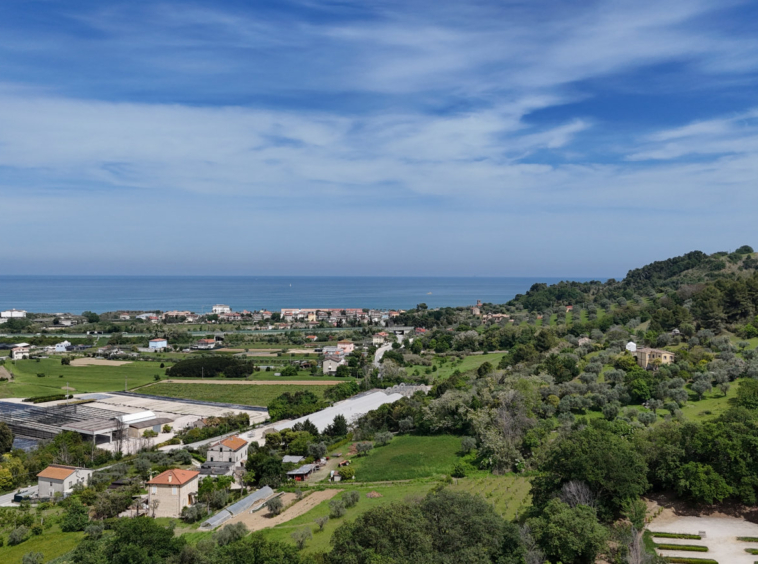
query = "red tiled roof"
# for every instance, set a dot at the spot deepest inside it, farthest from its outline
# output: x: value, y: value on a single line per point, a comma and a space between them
x: 234, y: 443
x: 175, y: 476
x: 57, y: 472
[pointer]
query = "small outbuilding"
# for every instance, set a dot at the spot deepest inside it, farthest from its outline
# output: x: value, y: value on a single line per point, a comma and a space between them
x: 158, y: 344
x: 302, y: 473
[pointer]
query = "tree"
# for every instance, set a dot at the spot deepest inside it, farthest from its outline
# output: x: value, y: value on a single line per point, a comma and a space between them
x: 322, y: 521
x: 91, y: 317
x: 336, y: 508
x: 747, y: 394
x: 317, y: 450
x: 230, y: 533
x: 395, y: 532
x: 467, y: 444
x: 75, y: 518
x: 142, y: 466
x: 347, y: 472
x: 607, y: 463
x: 647, y: 418
x: 6, y: 438
x: 33, y: 558
x: 363, y: 448
x: 301, y: 537
x: 382, y: 438
x: 568, y: 535
x: 351, y: 498
x: 338, y: 428
x: 700, y: 387
x: 700, y: 482
x: 484, y: 369
x: 275, y: 505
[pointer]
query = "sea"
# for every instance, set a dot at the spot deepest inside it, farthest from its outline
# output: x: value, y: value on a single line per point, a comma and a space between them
x: 75, y: 294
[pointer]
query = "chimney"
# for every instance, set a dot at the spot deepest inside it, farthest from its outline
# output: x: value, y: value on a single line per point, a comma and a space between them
x: 169, y: 478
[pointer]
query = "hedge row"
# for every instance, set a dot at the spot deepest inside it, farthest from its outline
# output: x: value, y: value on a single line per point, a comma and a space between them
x: 748, y: 539
x: 751, y: 550
x: 43, y: 399
x: 685, y: 547
x: 682, y: 560
x: 677, y: 536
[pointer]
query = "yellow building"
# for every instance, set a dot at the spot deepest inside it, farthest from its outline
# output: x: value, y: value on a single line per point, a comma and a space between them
x: 647, y: 356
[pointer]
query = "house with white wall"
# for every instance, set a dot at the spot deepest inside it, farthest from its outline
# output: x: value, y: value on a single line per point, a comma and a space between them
x: 158, y: 344
x: 171, y: 491
x: 59, y: 479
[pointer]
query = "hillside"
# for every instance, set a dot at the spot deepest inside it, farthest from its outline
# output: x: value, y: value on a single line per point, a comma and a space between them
x: 718, y: 291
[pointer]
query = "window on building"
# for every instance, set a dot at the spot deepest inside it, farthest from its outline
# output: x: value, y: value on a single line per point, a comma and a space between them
x: 173, y: 491
x: 155, y: 490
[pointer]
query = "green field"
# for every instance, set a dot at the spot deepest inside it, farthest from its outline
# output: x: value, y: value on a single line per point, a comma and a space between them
x: 508, y: 494
x: 52, y: 544
x: 409, y: 457
x: 83, y: 379
x: 468, y: 363
x: 245, y: 394
x: 320, y: 542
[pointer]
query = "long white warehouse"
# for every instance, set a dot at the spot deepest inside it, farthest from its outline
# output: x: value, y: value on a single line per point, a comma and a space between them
x: 351, y: 408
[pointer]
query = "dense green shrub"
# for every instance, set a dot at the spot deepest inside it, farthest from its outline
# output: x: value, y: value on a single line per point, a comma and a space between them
x: 678, y: 536
x: 684, y: 547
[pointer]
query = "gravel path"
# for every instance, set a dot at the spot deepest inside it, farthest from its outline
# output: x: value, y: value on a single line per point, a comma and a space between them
x: 261, y: 519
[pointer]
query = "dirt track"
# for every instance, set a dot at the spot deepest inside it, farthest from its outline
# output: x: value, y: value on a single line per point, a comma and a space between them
x: 255, y: 382
x: 262, y: 520
x: 98, y: 362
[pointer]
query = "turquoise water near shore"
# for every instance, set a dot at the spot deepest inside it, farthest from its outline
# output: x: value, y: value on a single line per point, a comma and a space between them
x: 74, y: 294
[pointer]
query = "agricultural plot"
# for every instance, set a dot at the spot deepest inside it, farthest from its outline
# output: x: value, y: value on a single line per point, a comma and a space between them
x: 244, y: 395
x: 508, y: 494
x: 444, y: 371
x: 320, y: 542
x: 83, y: 379
x: 409, y: 457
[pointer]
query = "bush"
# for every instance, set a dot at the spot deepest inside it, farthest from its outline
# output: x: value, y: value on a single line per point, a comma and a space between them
x: 459, y: 470
x: 75, y: 518
x: 684, y: 547
x: 336, y: 508
x: 680, y: 536
x: 32, y: 558
x: 194, y: 513
x: 346, y: 472
x: 230, y: 533
x: 351, y: 498
x: 18, y: 535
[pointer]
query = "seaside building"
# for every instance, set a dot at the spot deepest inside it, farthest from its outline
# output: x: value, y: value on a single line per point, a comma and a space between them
x: 218, y: 309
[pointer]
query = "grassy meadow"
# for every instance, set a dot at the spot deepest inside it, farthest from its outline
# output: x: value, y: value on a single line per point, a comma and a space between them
x: 408, y: 457
x: 83, y: 379
x: 444, y: 370
x: 508, y: 494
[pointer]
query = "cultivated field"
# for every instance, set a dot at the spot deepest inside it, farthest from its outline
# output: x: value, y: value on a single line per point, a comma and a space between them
x: 409, y: 457
x: 54, y: 375
x: 244, y: 395
x: 320, y: 542
x: 508, y: 494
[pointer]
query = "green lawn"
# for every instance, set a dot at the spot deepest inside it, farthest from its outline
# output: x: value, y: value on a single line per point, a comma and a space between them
x: 232, y: 393
x: 51, y: 543
x: 409, y: 457
x: 320, y: 542
x: 712, y: 405
x: 83, y: 379
x: 508, y: 494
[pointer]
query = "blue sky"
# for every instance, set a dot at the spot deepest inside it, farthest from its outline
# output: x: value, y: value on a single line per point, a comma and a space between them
x: 547, y: 138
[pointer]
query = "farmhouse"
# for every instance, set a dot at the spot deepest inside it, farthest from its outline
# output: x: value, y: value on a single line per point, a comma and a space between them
x: 158, y: 344
x: 647, y: 357
x: 231, y: 449
x: 331, y: 363
x: 20, y: 352
x: 172, y: 491
x: 58, y: 479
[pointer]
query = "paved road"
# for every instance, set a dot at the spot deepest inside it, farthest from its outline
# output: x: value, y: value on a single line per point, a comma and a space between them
x: 380, y: 353
x: 7, y: 499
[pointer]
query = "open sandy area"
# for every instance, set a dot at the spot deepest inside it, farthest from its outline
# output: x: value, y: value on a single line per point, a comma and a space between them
x: 720, y: 537
x: 254, y: 382
x: 262, y: 520
x: 98, y: 362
